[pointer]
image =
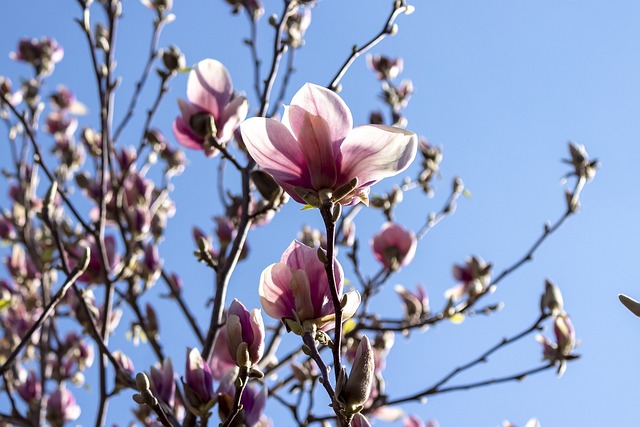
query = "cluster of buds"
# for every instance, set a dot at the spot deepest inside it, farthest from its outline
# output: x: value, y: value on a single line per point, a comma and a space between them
x: 387, y: 202
x: 560, y: 351
x: 296, y: 25
x: 61, y: 124
x: 42, y: 54
x: 174, y: 157
x: 431, y: 158
x: 395, y: 96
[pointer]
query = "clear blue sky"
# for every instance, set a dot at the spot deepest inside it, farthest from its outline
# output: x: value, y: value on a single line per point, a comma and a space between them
x: 502, y: 86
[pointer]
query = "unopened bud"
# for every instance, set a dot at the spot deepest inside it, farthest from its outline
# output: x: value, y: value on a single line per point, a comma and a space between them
x: 393, y: 30
x: 358, y: 386
x: 142, y: 381
x: 173, y: 59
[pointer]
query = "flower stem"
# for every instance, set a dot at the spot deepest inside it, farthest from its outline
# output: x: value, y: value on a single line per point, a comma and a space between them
x: 327, y: 210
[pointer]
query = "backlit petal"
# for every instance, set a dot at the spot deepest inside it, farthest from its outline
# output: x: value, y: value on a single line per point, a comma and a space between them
x: 374, y: 152
x: 209, y: 86
x: 275, y: 150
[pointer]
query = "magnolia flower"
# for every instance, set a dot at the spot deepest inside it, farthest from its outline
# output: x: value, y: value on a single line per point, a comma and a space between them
x: 360, y: 420
x: 198, y: 384
x: 394, y: 246
x: 296, y: 290
x: 162, y: 382
x: 245, y: 334
x: 29, y: 388
x: 316, y: 155
x: 560, y: 351
x: 474, y: 276
x: 221, y: 361
x: 62, y: 407
x: 253, y: 402
x: 212, y: 109
x: 356, y: 390
x: 385, y: 67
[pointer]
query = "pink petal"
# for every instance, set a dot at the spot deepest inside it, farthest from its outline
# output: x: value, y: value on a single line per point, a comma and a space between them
x: 233, y: 114
x: 184, y: 135
x: 275, y: 294
x: 313, y: 135
x: 276, y: 151
x: 209, y: 86
x: 257, y: 326
x: 374, y: 152
x: 325, y: 103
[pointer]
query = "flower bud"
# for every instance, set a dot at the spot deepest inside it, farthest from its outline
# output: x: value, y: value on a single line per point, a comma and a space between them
x: 173, y: 59
x: 358, y: 387
x: 551, y: 299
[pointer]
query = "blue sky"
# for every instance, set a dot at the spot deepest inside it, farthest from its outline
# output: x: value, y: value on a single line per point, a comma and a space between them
x: 502, y: 86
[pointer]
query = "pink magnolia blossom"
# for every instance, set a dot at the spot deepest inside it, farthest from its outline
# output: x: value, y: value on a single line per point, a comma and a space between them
x: 198, y: 383
x: 315, y: 153
x: 62, y: 407
x: 394, y: 246
x: 297, y: 290
x: 245, y: 334
x: 211, y: 97
x: 163, y: 383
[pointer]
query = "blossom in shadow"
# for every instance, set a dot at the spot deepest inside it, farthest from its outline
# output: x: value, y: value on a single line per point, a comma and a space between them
x: 315, y: 154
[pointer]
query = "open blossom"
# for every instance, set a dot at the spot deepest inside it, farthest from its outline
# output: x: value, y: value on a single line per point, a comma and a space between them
x: 297, y: 290
x: 315, y: 154
x: 245, y: 334
x: 212, y: 108
x: 394, y: 246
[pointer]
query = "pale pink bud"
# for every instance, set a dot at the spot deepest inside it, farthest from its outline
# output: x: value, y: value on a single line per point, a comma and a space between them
x: 394, y: 246
x: 358, y: 387
x: 244, y: 327
x: 198, y: 380
x: 211, y: 98
x: 162, y: 381
x: 62, y: 407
